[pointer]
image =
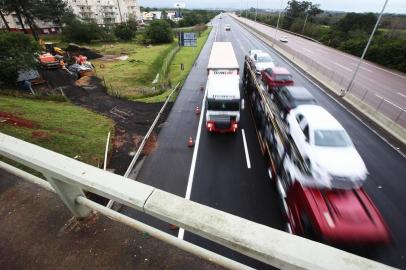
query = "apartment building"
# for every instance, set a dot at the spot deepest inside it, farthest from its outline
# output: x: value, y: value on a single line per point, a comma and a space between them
x: 102, y: 11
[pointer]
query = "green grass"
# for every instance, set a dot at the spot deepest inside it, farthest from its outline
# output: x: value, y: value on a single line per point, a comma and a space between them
x: 187, y: 56
x: 131, y: 78
x: 70, y: 130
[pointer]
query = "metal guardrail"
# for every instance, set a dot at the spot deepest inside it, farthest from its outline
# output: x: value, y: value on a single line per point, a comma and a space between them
x: 70, y: 178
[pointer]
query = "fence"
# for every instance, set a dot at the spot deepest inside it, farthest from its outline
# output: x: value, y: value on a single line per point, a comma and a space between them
x: 69, y: 179
x: 391, y: 115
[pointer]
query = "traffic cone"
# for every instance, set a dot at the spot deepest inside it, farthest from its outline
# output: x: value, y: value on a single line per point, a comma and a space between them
x: 190, y: 142
x: 197, y: 110
x: 173, y: 227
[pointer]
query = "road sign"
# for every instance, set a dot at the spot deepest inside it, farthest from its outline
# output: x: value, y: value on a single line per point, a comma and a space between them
x: 188, y: 39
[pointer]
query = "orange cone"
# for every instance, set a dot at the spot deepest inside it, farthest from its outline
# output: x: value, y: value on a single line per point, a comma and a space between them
x: 197, y: 110
x: 190, y: 142
x: 173, y: 227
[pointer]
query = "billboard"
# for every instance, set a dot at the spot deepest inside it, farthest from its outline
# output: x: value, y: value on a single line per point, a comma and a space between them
x: 188, y: 39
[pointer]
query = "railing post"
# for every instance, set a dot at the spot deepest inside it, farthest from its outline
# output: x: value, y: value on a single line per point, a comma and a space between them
x: 68, y: 193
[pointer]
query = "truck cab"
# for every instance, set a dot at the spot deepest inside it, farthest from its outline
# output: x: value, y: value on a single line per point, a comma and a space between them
x: 223, y: 104
x: 222, y: 89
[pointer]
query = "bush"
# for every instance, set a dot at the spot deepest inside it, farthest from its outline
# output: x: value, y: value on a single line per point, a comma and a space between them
x: 125, y: 31
x: 82, y: 32
x: 159, y: 31
x: 17, y: 53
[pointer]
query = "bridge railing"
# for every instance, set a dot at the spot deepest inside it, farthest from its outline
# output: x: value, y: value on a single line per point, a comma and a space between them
x: 69, y: 179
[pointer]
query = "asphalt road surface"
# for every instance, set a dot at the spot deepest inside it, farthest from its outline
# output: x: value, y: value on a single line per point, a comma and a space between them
x: 380, y: 82
x: 231, y: 177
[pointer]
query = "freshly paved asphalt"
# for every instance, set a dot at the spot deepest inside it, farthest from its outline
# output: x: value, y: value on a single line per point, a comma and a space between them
x: 222, y: 179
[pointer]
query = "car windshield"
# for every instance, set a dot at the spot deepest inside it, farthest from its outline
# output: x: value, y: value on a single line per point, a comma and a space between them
x: 331, y: 138
x: 223, y: 105
x: 283, y: 77
x: 264, y: 58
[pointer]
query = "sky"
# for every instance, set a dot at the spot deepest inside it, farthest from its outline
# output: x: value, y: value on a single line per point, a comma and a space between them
x: 393, y: 6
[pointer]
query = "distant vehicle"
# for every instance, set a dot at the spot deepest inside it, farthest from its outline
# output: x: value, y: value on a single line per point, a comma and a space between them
x: 288, y: 98
x: 325, y: 145
x: 283, y: 39
x: 227, y: 27
x: 261, y: 60
x: 276, y: 77
x: 223, y: 92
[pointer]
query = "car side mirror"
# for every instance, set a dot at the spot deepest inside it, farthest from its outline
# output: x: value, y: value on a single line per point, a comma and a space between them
x: 242, y: 104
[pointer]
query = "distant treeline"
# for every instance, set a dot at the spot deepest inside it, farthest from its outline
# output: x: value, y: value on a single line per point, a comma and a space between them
x: 348, y: 32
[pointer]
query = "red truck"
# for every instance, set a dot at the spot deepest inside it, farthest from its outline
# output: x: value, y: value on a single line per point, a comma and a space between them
x: 276, y: 77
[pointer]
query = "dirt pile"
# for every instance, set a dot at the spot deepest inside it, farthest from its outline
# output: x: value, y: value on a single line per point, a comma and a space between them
x: 10, y: 119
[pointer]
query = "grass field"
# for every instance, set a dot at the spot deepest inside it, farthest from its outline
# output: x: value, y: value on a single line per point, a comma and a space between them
x: 187, y: 56
x: 63, y: 128
x: 131, y: 78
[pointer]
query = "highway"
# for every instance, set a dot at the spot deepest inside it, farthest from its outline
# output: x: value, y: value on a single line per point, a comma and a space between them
x: 228, y: 172
x: 380, y: 82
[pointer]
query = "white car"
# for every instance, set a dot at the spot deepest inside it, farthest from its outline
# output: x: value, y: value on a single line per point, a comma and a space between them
x: 261, y: 60
x: 227, y: 27
x: 283, y: 39
x: 325, y: 146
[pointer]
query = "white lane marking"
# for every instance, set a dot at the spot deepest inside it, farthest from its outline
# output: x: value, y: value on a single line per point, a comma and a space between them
x: 390, y: 102
x: 247, y: 155
x: 400, y: 94
x: 194, y: 158
x: 341, y: 66
x: 361, y: 67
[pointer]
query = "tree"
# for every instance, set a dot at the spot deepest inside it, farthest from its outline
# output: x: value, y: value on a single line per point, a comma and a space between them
x: 159, y: 31
x: 297, y: 9
x: 125, y: 31
x: 81, y: 31
x: 356, y: 21
x: 17, y: 53
x: 50, y: 10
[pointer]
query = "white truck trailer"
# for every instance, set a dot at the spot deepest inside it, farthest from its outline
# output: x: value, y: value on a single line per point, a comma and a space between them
x: 222, y: 88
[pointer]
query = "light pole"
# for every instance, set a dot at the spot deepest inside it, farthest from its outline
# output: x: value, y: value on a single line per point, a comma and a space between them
x: 256, y: 12
x: 304, y: 24
x: 277, y: 23
x: 345, y: 91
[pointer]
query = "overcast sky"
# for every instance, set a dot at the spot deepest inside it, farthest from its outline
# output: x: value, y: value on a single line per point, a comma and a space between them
x: 394, y: 6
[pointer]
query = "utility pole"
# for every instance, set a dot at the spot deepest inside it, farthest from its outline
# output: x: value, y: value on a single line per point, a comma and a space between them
x: 277, y: 23
x: 256, y: 12
x: 345, y: 91
x: 304, y: 25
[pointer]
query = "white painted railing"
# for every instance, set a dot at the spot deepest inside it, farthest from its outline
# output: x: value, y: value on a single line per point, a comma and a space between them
x: 69, y: 178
